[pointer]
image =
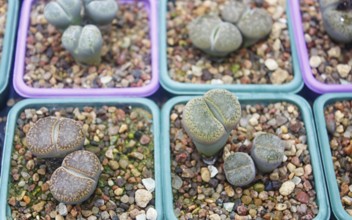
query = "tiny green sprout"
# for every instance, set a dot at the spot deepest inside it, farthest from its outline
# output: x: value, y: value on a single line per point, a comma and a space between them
x: 63, y: 13
x: 77, y: 178
x: 232, y: 11
x: 208, y: 120
x: 254, y: 25
x: 267, y: 152
x: 337, y: 19
x: 83, y: 43
x: 239, y: 169
x: 100, y: 12
x: 213, y: 36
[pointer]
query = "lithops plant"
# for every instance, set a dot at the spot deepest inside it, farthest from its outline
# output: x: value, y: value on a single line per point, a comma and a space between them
x: 77, y: 178
x: 232, y: 11
x: 63, y: 13
x: 337, y: 19
x: 84, y: 43
x: 208, y: 120
x: 254, y: 24
x: 54, y: 137
x: 213, y: 36
x: 267, y: 152
x: 239, y: 169
x: 100, y: 12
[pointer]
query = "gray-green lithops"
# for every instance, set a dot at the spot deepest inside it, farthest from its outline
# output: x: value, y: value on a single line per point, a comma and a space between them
x: 255, y: 24
x: 337, y: 19
x: 267, y: 152
x: 84, y: 43
x: 232, y: 11
x: 77, y: 178
x: 63, y: 13
x: 213, y: 36
x: 239, y: 169
x: 208, y: 120
x: 54, y: 137
x: 100, y: 12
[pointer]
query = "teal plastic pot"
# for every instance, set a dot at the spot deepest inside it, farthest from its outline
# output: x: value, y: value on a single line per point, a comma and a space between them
x: 147, y: 105
x: 319, y: 183
x: 324, y: 144
x: 192, y: 89
x: 8, y: 45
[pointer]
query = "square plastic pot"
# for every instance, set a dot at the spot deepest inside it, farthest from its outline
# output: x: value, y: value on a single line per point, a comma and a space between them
x: 303, y: 58
x: 8, y: 46
x: 26, y: 91
x: 147, y: 105
x: 305, y: 110
x: 191, y: 89
x: 324, y: 144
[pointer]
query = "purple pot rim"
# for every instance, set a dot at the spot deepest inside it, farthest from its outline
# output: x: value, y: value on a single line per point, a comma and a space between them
x: 27, y: 91
x: 303, y: 58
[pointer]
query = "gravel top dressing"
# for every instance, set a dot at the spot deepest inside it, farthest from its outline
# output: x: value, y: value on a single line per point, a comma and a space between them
x: 330, y: 61
x: 339, y: 126
x: 201, y: 190
x: 122, y: 139
x: 126, y: 53
x: 268, y: 61
x: 3, y: 10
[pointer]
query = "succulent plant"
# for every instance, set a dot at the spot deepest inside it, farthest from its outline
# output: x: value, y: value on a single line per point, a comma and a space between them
x: 54, y: 137
x: 337, y: 19
x: 208, y: 120
x: 77, y: 178
x: 254, y: 25
x: 232, y: 11
x: 239, y: 169
x: 100, y: 12
x: 267, y: 152
x: 63, y: 13
x: 83, y: 43
x: 213, y: 36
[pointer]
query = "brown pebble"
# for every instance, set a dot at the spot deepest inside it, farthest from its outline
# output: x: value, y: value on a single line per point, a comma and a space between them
x: 302, y: 197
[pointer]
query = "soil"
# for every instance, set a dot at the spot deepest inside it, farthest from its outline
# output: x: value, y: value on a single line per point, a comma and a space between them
x: 126, y: 53
x: 330, y: 61
x: 3, y: 13
x: 201, y: 191
x: 188, y: 64
x: 338, y: 117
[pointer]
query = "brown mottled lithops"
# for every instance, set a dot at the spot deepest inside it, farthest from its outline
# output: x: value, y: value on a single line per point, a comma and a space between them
x: 55, y: 137
x: 77, y: 178
x: 267, y: 152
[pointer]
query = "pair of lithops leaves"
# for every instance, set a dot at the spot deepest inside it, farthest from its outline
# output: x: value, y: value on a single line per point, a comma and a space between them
x: 208, y: 121
x: 76, y: 179
x: 84, y: 43
x: 266, y: 155
x: 239, y: 26
x: 337, y: 19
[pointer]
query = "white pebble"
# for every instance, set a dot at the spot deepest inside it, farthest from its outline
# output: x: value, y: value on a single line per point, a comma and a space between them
x: 271, y: 64
x: 213, y: 171
x: 315, y: 61
x: 62, y: 209
x: 141, y: 217
x: 343, y: 70
x: 229, y: 206
x: 152, y: 214
x: 149, y: 184
x: 287, y: 188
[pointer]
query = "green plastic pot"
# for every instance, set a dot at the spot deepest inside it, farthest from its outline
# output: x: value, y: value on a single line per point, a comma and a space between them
x: 80, y: 103
x: 324, y: 144
x: 192, y: 89
x: 8, y: 46
x: 320, y: 188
